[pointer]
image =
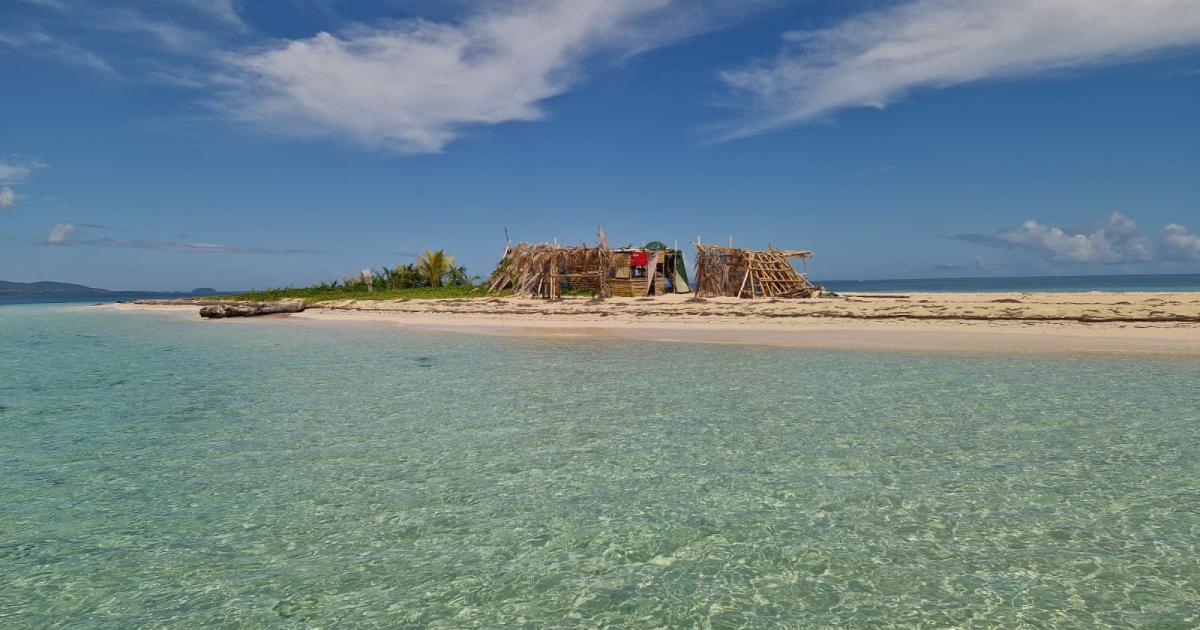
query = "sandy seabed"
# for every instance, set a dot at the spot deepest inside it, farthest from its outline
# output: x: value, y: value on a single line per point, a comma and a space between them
x: 1059, y: 323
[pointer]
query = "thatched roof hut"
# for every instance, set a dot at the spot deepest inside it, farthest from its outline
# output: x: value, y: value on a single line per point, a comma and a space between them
x: 540, y: 270
x: 546, y: 270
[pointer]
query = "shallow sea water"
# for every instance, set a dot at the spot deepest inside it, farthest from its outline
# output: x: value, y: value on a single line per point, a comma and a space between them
x: 164, y: 472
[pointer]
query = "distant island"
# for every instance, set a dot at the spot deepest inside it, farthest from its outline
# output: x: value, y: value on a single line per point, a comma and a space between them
x: 68, y: 290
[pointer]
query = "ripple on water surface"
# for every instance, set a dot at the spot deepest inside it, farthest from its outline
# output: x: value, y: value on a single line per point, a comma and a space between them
x: 165, y: 472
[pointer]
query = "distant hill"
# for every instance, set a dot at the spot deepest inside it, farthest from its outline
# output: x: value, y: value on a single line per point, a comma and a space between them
x: 49, y: 288
x: 66, y: 289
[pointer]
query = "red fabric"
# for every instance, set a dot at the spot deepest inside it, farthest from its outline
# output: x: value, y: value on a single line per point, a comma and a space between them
x: 639, y: 259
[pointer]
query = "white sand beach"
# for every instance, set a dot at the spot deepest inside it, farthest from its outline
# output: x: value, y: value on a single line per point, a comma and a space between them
x: 1084, y: 323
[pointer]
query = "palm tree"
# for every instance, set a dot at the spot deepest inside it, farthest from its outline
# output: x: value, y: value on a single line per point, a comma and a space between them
x: 457, y: 276
x: 407, y: 276
x: 433, y: 266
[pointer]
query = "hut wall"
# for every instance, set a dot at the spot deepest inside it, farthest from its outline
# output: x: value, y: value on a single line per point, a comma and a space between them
x: 636, y: 287
x: 585, y: 283
x: 627, y: 287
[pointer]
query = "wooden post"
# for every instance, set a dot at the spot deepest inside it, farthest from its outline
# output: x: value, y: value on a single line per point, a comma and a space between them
x: 554, y: 281
x: 745, y: 278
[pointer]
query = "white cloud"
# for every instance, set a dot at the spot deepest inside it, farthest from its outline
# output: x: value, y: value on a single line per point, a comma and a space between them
x: 408, y: 85
x: 61, y: 233
x: 877, y: 57
x: 18, y: 172
x: 15, y: 173
x: 1118, y: 240
x: 82, y: 235
x: 414, y: 86
x: 1179, y: 244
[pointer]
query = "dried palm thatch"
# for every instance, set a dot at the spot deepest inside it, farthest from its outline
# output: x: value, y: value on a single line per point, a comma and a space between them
x: 540, y: 270
x: 737, y: 272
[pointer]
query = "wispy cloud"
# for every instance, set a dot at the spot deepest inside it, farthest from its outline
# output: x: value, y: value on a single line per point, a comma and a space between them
x: 12, y: 173
x: 57, y: 5
x: 414, y: 86
x: 221, y: 10
x: 171, y: 35
x: 17, y: 171
x: 877, y: 57
x: 68, y: 234
x: 404, y: 85
x: 125, y: 29
x: 1118, y: 240
x: 40, y: 44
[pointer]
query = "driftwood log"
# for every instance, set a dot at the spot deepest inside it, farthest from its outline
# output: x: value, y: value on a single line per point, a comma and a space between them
x: 250, y: 309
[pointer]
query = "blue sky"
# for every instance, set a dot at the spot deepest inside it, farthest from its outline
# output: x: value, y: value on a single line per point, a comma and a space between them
x: 182, y: 143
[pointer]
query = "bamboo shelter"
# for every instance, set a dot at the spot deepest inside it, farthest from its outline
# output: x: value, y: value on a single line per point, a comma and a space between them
x: 541, y: 270
x: 547, y: 270
x: 737, y: 272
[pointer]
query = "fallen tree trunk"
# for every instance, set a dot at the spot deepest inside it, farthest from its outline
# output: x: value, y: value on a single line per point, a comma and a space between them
x: 250, y: 309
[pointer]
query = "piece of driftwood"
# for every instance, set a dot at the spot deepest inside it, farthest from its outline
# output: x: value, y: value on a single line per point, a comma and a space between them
x: 250, y: 309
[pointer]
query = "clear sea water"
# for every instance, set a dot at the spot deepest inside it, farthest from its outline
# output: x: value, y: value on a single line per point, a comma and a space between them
x: 88, y: 299
x: 1156, y: 282
x: 159, y: 471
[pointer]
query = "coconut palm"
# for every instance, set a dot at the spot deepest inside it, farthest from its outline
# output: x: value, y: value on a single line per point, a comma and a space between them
x: 434, y: 266
x: 407, y: 276
x: 457, y: 276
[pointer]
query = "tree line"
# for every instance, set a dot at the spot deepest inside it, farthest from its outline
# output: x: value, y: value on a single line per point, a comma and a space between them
x: 432, y: 269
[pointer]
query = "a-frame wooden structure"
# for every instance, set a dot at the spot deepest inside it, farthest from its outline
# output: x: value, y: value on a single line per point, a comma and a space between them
x: 746, y: 273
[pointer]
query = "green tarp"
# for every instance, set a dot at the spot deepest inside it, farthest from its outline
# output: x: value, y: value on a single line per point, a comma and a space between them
x: 680, y: 279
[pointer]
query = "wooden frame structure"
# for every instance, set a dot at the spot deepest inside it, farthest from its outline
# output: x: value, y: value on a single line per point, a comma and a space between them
x: 737, y: 272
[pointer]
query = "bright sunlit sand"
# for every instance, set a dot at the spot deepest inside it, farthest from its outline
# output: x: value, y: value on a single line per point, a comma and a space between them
x: 1147, y: 323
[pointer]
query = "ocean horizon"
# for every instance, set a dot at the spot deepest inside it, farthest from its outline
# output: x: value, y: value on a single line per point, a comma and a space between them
x: 1033, y: 284
x: 116, y: 296
x: 1029, y: 284
x: 163, y: 471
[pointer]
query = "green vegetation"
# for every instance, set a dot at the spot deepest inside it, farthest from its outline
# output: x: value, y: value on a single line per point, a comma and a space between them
x: 433, y: 277
x: 327, y: 292
x: 435, y: 267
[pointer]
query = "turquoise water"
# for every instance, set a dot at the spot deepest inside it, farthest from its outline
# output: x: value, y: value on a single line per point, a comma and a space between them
x: 164, y: 472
